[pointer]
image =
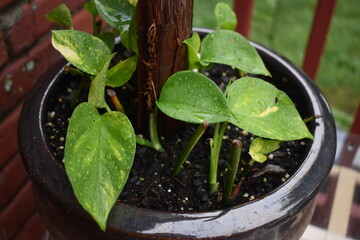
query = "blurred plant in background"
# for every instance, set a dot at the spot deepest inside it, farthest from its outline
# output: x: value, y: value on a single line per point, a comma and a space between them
x: 284, y: 25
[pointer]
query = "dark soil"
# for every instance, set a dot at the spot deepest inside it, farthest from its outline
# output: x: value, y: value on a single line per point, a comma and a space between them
x: 151, y: 184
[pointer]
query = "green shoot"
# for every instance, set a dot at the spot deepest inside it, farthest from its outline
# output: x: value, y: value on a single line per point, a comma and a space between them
x: 232, y: 170
x: 188, y: 148
x: 154, y: 132
x: 215, y: 146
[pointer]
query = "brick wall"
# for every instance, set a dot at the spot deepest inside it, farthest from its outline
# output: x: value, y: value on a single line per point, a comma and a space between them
x: 25, y: 54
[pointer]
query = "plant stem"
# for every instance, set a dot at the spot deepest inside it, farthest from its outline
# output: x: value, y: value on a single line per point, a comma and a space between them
x: 232, y: 170
x: 73, y: 71
x: 108, y: 109
x: 214, y: 158
x: 143, y: 142
x: 96, y: 27
x: 154, y: 132
x: 189, y: 146
x: 252, y: 161
x: 215, y: 145
x: 313, y: 117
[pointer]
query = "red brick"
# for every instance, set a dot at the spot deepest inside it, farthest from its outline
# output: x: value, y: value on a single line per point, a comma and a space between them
x: 3, y: 51
x: 3, y: 3
x: 44, y: 56
x: 23, y: 74
x: 40, y: 9
x: 12, y: 177
x: 15, y: 215
x: 33, y: 229
x: 10, y: 85
x: 74, y: 4
x: 82, y: 21
x: 21, y: 35
x: 8, y: 136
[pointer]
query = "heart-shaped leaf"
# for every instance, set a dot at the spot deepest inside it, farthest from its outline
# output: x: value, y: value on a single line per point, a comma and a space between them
x: 192, y: 97
x: 230, y: 48
x: 122, y: 72
x: 99, y: 153
x: 60, y: 15
x: 117, y: 13
x: 225, y: 16
x: 83, y: 50
x: 259, y: 147
x: 265, y: 111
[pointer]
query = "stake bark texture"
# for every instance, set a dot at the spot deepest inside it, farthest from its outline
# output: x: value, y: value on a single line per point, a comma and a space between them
x: 162, y: 27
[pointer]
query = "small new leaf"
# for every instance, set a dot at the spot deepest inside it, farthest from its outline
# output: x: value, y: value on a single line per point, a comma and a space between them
x: 83, y: 50
x: 225, y: 16
x: 230, y: 48
x: 193, y: 45
x: 60, y: 15
x: 99, y: 153
x: 192, y: 97
x: 259, y: 147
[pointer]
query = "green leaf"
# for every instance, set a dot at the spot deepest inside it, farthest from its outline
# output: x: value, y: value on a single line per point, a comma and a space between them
x: 133, y: 2
x: 99, y: 153
x: 265, y: 111
x: 117, y: 13
x: 225, y: 16
x: 97, y: 89
x: 83, y: 50
x: 230, y: 48
x: 192, y: 97
x: 129, y: 37
x: 60, y: 15
x: 91, y: 8
x: 194, y: 42
x: 122, y: 72
x: 109, y: 39
x: 193, y: 45
x: 259, y: 147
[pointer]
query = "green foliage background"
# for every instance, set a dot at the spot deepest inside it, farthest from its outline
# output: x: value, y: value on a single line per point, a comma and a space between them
x: 284, y: 25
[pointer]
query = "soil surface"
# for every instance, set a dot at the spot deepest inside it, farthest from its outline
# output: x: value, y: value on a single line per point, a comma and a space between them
x: 151, y: 184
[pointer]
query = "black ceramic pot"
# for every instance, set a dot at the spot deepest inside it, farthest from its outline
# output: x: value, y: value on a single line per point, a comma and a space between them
x: 282, y: 214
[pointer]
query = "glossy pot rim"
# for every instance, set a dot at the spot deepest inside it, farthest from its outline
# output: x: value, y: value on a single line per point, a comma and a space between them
x: 280, y: 204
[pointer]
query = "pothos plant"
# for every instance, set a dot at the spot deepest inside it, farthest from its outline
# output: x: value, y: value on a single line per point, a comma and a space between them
x: 100, y: 148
